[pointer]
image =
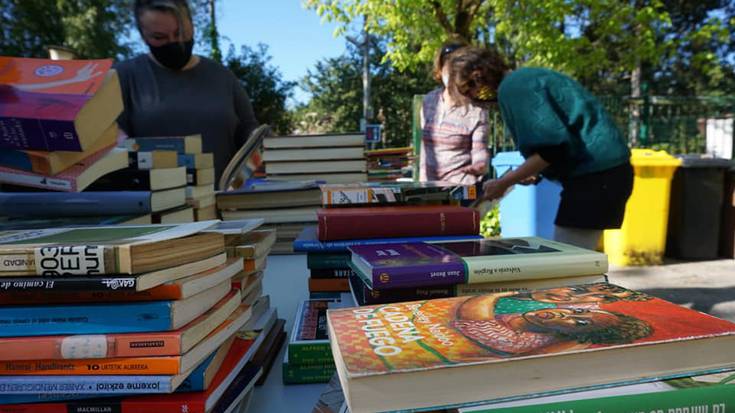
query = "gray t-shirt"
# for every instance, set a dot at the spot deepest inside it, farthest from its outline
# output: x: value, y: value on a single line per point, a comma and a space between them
x: 206, y: 99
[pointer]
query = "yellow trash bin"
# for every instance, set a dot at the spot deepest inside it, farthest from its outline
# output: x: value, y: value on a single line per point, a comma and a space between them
x: 642, y: 238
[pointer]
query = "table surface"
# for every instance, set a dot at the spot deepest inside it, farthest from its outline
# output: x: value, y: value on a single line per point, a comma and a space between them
x: 285, y: 280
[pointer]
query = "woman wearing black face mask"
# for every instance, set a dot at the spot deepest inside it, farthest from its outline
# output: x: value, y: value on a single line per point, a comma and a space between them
x: 172, y: 92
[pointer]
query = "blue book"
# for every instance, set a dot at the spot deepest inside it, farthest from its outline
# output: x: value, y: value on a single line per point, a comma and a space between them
x: 16, y: 159
x: 71, y: 384
x: 139, y: 317
x: 196, y: 160
x: 69, y: 204
x: 307, y: 241
x: 180, y: 144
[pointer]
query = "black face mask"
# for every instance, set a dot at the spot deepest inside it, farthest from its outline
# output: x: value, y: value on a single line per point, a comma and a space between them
x: 173, y: 55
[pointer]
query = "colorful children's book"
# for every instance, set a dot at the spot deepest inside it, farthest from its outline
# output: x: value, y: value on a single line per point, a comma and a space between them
x: 404, y: 221
x: 85, y: 346
x: 56, y: 105
x: 151, y: 365
x: 381, y: 193
x: 708, y: 393
x: 385, y: 266
x: 106, y: 249
x: 308, y: 241
x: 73, y: 179
x: 141, y: 317
x: 507, y: 345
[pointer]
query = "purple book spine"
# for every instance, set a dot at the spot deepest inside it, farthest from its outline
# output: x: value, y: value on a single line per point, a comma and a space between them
x: 411, y: 265
x: 38, y: 134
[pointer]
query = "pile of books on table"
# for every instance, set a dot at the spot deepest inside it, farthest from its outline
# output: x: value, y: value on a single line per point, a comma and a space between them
x: 389, y: 164
x: 134, y: 319
x: 337, y: 158
x: 286, y: 206
x: 58, y: 122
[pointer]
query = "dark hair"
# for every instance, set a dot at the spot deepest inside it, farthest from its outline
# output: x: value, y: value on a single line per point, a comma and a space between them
x: 443, y: 53
x: 179, y: 8
x: 473, y: 68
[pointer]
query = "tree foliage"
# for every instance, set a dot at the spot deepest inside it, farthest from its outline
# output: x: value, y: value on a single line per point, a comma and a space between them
x: 677, y: 42
x: 92, y: 28
x: 264, y: 84
x: 335, y: 86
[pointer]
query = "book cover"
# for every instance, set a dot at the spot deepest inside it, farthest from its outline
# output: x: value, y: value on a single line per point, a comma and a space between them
x: 405, y: 221
x: 309, y: 340
x: 41, y: 320
x: 58, y: 204
x: 480, y: 261
x: 46, y: 104
x: 73, y: 179
x: 707, y: 393
x: 190, y: 144
x: 94, y: 250
x: 308, y: 241
x: 597, y: 334
x: 366, y: 193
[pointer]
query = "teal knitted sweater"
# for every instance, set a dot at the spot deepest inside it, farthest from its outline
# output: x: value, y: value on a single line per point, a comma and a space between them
x: 542, y: 108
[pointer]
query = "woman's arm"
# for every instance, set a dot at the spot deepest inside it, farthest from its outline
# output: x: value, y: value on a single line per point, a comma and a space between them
x: 479, y: 156
x: 531, y: 167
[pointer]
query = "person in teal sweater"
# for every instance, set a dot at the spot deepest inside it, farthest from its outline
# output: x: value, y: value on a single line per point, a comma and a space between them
x: 564, y: 134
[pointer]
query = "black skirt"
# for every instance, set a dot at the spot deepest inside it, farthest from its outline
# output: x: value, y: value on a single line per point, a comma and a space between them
x: 596, y: 200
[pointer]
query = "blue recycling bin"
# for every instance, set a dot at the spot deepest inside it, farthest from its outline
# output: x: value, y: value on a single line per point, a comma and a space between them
x: 527, y: 210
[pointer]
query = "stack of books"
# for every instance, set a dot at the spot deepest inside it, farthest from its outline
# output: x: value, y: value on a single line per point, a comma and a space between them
x: 58, y: 125
x: 586, y: 348
x: 128, y: 312
x: 338, y: 158
x: 194, y: 173
x: 377, y: 213
x: 389, y: 164
x: 286, y: 206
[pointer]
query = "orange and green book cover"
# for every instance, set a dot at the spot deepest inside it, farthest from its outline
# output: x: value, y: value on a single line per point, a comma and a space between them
x: 496, y: 346
x: 52, y: 105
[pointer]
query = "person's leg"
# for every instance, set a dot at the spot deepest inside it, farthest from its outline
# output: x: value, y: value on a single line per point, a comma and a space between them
x: 581, y: 237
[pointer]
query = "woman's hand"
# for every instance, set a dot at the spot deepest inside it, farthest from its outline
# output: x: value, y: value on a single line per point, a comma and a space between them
x: 494, y: 189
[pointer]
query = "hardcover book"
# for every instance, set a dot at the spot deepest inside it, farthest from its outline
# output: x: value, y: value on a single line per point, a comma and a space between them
x: 308, y: 241
x: 416, y: 265
x: 81, y: 346
x: 56, y: 105
x: 484, y: 348
x: 366, y: 193
x: 106, y: 249
x: 73, y: 179
x: 405, y: 221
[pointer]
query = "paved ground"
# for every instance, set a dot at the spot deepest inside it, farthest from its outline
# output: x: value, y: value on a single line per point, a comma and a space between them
x: 707, y: 286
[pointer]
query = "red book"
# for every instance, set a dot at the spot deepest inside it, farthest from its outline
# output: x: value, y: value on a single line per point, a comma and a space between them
x: 401, y: 221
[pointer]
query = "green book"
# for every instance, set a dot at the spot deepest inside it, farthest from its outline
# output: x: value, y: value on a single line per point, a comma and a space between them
x: 296, y: 373
x: 316, y: 261
x: 714, y: 393
x: 308, y: 343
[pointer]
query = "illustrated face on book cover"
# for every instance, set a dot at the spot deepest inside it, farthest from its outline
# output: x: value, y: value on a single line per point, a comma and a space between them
x: 507, y: 246
x: 460, y: 330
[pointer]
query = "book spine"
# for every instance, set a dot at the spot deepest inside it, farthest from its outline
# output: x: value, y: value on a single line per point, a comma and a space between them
x: 92, y: 367
x: 60, y: 260
x: 76, y: 284
x: 111, y: 405
x: 90, y: 346
x: 56, y: 204
x: 328, y: 273
x: 188, y: 160
x: 38, y: 181
x: 323, y: 261
x: 40, y: 134
x: 460, y: 221
x: 30, y: 399
x: 295, y: 374
x: 366, y: 296
x: 84, y: 319
x: 85, y: 384
x: 494, y: 269
x: 92, y: 292
x: 428, y: 275
x: 309, y: 353
x: 328, y: 284
x: 305, y: 245
x: 160, y: 144
x: 709, y: 399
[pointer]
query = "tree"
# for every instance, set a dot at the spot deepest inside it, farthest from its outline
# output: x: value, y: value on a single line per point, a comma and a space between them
x: 92, y: 28
x: 335, y: 85
x: 264, y: 84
